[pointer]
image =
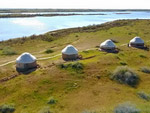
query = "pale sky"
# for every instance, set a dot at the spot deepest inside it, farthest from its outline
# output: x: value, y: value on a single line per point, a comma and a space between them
x: 91, y: 4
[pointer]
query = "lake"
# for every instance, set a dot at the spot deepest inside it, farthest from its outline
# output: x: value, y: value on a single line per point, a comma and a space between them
x: 19, y: 27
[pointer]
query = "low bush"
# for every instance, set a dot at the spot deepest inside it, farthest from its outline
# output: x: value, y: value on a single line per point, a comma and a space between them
x: 125, y: 75
x: 8, y: 51
x: 77, y: 36
x: 123, y: 63
x: 126, y: 108
x: 144, y: 96
x: 86, y: 111
x: 145, y: 69
x: 46, y: 37
x: 7, y: 108
x: 142, y: 56
x: 129, y: 33
x: 52, y: 100
x: 45, y: 110
x: 77, y: 66
x: 49, y: 51
x: 69, y: 86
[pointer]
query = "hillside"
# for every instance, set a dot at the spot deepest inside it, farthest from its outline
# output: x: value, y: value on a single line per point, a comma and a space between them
x: 74, y: 91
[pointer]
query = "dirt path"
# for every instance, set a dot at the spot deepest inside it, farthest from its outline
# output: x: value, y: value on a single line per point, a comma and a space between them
x: 49, y: 57
x: 7, y: 63
x: 45, y: 58
x: 37, y: 59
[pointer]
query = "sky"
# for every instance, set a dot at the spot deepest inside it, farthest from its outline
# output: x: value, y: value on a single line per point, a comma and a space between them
x: 75, y: 4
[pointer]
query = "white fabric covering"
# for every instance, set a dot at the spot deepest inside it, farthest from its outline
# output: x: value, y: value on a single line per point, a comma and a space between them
x: 108, y: 44
x: 70, y: 50
x: 136, y: 40
x: 26, y: 58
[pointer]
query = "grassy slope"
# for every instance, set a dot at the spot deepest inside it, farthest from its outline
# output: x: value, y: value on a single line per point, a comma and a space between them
x: 78, y: 92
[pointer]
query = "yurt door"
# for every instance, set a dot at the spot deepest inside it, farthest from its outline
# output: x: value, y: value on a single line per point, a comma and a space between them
x: 25, y: 66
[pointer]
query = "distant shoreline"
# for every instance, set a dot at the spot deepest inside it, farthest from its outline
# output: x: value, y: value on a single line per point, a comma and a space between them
x: 2, y: 10
x: 14, y: 13
x: 44, y: 15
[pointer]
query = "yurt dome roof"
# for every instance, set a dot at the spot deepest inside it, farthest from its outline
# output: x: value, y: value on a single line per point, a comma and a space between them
x: 69, y: 50
x: 107, y: 44
x: 137, y: 40
x: 26, y: 58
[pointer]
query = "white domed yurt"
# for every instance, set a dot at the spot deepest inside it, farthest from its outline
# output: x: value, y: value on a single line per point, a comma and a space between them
x: 136, y: 42
x: 69, y: 53
x: 25, y: 61
x: 107, y: 45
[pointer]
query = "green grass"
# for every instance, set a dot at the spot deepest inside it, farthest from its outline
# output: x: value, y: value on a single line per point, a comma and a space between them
x: 76, y: 89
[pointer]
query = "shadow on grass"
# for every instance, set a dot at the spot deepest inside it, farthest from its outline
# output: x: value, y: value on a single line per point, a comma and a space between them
x: 115, y: 51
x: 146, y: 48
x: 27, y: 71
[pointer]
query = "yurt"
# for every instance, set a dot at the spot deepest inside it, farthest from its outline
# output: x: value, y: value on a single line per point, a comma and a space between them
x: 136, y: 42
x: 69, y: 53
x: 25, y: 61
x: 107, y: 45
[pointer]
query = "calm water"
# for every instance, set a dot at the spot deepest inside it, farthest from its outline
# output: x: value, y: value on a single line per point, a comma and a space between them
x: 19, y: 27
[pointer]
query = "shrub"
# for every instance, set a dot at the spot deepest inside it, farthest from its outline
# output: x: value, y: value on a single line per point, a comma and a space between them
x: 69, y: 86
x: 142, y: 56
x: 125, y: 75
x: 76, y: 36
x: 51, y: 100
x: 77, y: 66
x: 123, y: 63
x: 145, y: 69
x: 45, y: 110
x: 8, y: 51
x: 144, y: 96
x: 86, y: 111
x: 46, y: 37
x: 7, y: 108
x: 49, y: 51
x: 126, y: 108
x: 129, y: 33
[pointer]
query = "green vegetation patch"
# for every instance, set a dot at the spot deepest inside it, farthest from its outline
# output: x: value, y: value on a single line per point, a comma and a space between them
x: 49, y: 51
x: 145, y: 69
x: 86, y: 111
x: 45, y: 110
x: 126, y: 108
x: 76, y: 67
x: 6, y: 108
x: 125, y: 75
x: 8, y: 51
x: 69, y: 86
x: 143, y: 95
x: 142, y: 56
x: 123, y: 63
x: 52, y: 100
